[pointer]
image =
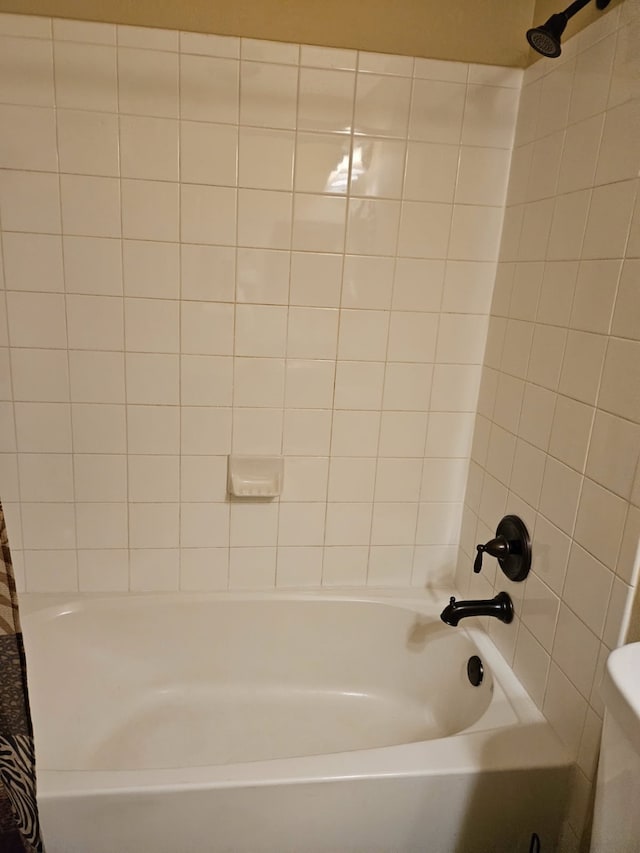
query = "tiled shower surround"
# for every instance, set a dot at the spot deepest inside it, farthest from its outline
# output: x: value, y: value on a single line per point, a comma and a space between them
x: 557, y: 438
x: 216, y: 245
x: 212, y: 244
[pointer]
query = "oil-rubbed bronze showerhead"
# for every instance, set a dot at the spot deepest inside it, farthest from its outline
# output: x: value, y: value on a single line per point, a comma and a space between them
x: 546, y: 39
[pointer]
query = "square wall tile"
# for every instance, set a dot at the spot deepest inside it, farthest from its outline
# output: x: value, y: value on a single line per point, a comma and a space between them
x: 150, y: 210
x: 301, y: 524
x: 345, y: 565
x: 389, y: 565
x: 208, y: 153
x: 489, y: 117
x: 258, y: 382
x: 264, y: 219
x: 88, y: 142
x: 93, y: 265
x: 316, y: 279
x: 35, y: 87
x: 151, y: 269
x: 600, y: 522
x: 372, y: 227
x: 424, y: 230
x: 153, y: 525
x: 208, y: 272
x: 204, y: 569
x: 407, y: 387
x: 326, y: 99
x: 382, y: 105
x: 152, y: 325
x: 86, y: 76
x: 30, y: 201
x: 261, y: 330
x: 412, y: 336
x: 299, y: 567
x: 348, y: 524
x: 206, y: 380
x: 305, y: 479
x: 318, y: 223
x: 258, y: 431
x: 95, y: 322
x: 309, y: 384
x: 103, y: 570
x: 207, y: 215
x: 209, y: 88
x: 148, y: 82
x: 322, y: 163
x: 90, y: 206
x: 96, y: 377
x: 268, y: 95
x: 307, y: 432
x: 152, y: 378
x: 253, y: 524
x: 100, y: 477
x: 312, y: 333
x: 102, y: 525
x: 363, y: 335
x: 431, y: 172
x: 154, y: 569
x: 252, y: 568
x: 33, y: 262
x: 359, y: 385
x: 45, y: 477
x: 36, y: 320
x: 367, y: 282
x: 203, y: 478
x: 378, y: 167
x: 99, y: 428
x: 28, y: 141
x: 351, y: 479
x: 355, y: 433
x: 263, y: 276
x: 51, y: 571
x: 149, y: 148
x: 398, y: 479
x: 153, y: 429
x: 265, y: 159
x: 418, y: 284
x: 437, y: 108
x: 206, y: 328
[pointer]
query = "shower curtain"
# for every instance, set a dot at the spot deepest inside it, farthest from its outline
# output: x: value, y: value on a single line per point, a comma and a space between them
x: 19, y: 825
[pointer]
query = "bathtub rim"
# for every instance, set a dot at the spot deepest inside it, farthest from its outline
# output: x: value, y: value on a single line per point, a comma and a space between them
x: 530, y: 743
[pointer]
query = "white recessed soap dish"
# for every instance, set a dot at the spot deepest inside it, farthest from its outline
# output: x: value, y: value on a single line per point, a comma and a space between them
x: 255, y: 476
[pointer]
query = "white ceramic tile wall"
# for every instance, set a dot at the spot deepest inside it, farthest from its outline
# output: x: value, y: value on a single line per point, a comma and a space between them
x: 211, y: 245
x: 557, y: 437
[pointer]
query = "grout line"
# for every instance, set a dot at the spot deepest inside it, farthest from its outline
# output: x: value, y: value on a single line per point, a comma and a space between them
x: 66, y: 318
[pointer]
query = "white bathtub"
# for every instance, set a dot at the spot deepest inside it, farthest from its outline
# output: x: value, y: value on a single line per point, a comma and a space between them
x: 299, y: 723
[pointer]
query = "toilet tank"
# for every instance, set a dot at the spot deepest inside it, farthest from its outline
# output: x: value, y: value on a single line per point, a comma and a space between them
x: 616, y: 826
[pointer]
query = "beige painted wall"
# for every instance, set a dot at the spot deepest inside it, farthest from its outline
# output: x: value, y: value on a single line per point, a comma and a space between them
x: 491, y: 31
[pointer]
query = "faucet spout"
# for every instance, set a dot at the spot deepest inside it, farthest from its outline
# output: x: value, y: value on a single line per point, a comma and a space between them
x: 501, y: 607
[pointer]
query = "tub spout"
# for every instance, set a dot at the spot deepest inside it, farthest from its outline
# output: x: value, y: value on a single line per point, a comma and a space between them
x: 501, y: 607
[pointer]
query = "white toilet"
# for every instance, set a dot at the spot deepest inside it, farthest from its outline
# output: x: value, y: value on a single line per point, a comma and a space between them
x: 616, y: 826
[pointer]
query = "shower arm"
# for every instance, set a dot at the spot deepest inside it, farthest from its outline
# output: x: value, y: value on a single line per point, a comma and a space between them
x: 575, y: 7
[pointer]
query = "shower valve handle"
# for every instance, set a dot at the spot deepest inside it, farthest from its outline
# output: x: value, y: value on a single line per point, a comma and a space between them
x: 511, y: 547
x: 498, y: 547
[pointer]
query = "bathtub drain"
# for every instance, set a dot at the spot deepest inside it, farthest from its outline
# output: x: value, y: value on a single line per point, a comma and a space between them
x: 475, y: 670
